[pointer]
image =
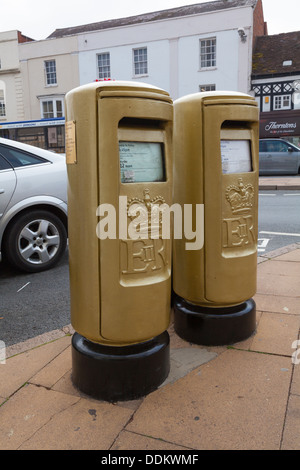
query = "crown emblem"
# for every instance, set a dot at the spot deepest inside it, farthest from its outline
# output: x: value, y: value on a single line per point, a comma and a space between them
x: 240, y: 197
x: 149, y: 209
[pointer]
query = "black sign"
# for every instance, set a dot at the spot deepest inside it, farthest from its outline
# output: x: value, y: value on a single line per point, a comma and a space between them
x: 280, y: 124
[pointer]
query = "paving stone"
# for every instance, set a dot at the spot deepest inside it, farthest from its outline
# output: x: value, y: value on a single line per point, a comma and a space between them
x: 20, y: 368
x: 276, y: 333
x: 295, y: 386
x: 236, y: 401
x: 87, y: 425
x: 291, y: 435
x: 276, y: 284
x: 281, y: 268
x: 54, y: 370
x: 26, y: 412
x: 293, y: 256
x: 277, y: 303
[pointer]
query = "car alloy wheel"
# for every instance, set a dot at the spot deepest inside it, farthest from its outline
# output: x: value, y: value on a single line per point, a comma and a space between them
x: 39, y: 241
x: 36, y: 241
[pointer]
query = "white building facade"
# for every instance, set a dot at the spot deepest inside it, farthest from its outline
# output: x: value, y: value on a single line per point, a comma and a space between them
x: 49, y: 70
x: 209, y: 50
x: 201, y: 47
x: 11, y: 84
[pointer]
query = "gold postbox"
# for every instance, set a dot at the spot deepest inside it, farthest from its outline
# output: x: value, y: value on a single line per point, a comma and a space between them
x: 119, y: 160
x: 216, y: 166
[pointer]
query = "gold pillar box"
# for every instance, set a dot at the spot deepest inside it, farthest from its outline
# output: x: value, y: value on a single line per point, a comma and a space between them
x: 216, y: 165
x: 118, y: 144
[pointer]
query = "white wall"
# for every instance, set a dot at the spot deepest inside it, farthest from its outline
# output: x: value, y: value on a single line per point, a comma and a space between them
x: 32, y: 58
x: 9, y: 50
x: 224, y: 75
x: 173, y: 52
x: 10, y: 77
x: 173, y: 58
x: 121, y: 59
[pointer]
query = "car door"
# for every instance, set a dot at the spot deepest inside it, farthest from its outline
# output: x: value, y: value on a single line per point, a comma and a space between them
x: 264, y: 158
x: 294, y: 157
x: 8, y: 183
x: 280, y: 159
x: 283, y: 160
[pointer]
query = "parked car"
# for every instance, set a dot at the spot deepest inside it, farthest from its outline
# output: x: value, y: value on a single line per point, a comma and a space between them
x: 33, y: 206
x: 278, y: 157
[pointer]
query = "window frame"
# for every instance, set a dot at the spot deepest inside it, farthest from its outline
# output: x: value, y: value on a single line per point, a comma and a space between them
x: 37, y: 159
x: 207, y: 87
x: 282, y: 98
x: 54, y: 100
x: 4, y: 163
x: 2, y: 103
x: 48, y: 73
x: 2, y: 109
x: 139, y: 62
x: 105, y: 74
x: 203, y: 55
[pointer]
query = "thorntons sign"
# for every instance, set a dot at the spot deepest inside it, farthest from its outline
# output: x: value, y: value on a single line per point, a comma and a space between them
x: 279, y: 126
x: 272, y: 126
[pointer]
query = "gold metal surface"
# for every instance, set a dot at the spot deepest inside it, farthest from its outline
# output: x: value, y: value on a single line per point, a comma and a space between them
x: 223, y: 272
x: 120, y: 288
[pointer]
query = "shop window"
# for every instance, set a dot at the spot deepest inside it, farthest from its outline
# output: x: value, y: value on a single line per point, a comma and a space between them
x: 282, y: 102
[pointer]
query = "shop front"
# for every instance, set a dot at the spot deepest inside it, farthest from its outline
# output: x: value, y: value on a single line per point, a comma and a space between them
x: 282, y: 124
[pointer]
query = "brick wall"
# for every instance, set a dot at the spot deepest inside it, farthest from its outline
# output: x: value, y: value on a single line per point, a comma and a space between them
x: 259, y: 24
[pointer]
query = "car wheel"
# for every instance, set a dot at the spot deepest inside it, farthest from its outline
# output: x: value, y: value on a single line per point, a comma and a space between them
x: 36, y: 241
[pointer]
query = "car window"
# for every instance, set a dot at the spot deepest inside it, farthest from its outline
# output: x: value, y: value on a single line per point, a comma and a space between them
x: 262, y: 146
x: 19, y: 158
x: 283, y: 147
x: 4, y: 165
x: 274, y: 146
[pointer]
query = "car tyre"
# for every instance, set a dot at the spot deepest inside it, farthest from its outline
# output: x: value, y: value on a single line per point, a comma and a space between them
x: 36, y: 241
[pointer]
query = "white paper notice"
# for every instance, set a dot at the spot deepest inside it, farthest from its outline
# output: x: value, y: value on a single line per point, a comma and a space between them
x: 236, y: 156
x: 141, y: 162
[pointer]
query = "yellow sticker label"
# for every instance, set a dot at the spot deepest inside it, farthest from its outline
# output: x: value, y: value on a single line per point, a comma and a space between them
x: 70, y: 130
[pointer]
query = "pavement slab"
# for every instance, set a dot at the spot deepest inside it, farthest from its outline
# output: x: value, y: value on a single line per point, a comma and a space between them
x: 291, y: 439
x: 20, y: 368
x: 86, y: 425
x: 277, y: 303
x: 276, y: 333
x: 240, y: 397
x: 295, y: 385
x: 27, y: 411
x: 213, y: 409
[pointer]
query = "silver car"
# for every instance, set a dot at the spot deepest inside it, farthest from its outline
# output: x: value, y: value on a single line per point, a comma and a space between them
x: 33, y: 206
x: 278, y: 157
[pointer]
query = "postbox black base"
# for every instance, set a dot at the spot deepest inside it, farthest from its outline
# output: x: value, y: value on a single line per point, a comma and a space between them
x: 214, y: 326
x: 118, y: 373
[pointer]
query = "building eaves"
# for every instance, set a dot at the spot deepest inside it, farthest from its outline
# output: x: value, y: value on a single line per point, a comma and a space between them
x: 276, y: 54
x: 197, y: 8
